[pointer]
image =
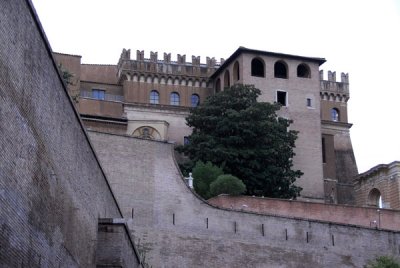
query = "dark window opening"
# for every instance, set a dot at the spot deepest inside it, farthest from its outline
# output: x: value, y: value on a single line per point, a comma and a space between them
x: 303, y: 71
x: 323, y: 151
x: 154, y: 97
x: 335, y: 115
x: 218, y: 85
x: 195, y: 100
x: 174, y: 99
x: 309, y: 103
x: 98, y: 94
x: 236, y: 73
x: 281, y: 97
x: 185, y: 140
x: 227, y: 82
x: 280, y: 70
x: 257, y: 68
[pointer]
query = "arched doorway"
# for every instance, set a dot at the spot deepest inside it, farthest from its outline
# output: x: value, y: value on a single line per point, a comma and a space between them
x: 375, y: 198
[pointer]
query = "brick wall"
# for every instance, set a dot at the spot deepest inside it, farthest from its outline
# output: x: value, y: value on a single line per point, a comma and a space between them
x: 174, y: 228
x: 367, y: 217
x: 52, y: 188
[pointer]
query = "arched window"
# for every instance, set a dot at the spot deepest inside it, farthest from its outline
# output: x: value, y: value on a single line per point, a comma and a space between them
x: 195, y: 100
x: 335, y: 115
x: 280, y: 69
x: 174, y: 99
x: 303, y: 71
x: 218, y: 85
x: 227, y: 80
x: 236, y: 72
x: 154, y: 97
x: 147, y: 132
x: 375, y: 198
x: 257, y: 67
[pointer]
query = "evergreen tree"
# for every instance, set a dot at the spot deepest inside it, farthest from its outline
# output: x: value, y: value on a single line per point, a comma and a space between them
x: 247, y: 139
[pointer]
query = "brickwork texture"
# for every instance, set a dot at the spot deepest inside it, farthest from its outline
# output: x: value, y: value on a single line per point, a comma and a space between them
x: 174, y: 228
x: 52, y: 188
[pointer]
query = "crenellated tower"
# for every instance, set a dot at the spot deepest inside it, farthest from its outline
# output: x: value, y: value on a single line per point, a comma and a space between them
x: 339, y: 165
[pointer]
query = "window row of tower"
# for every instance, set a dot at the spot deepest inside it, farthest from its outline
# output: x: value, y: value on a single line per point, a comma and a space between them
x: 174, y: 98
x: 281, y: 70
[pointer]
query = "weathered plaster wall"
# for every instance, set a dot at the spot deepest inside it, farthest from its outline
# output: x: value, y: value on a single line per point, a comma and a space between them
x: 52, y: 188
x: 177, y: 229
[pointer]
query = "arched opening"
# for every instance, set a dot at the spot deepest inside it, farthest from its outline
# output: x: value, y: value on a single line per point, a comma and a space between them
x: 227, y: 82
x: 303, y: 70
x: 218, y: 85
x: 195, y: 100
x: 257, y: 67
x: 154, y: 97
x: 335, y: 116
x: 174, y: 99
x: 375, y: 198
x: 280, y: 70
x: 236, y: 72
x: 147, y: 132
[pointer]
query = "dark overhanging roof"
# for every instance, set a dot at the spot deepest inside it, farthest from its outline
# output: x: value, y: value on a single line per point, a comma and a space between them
x: 241, y: 50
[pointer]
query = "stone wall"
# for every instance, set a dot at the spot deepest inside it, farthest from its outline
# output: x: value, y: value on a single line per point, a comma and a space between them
x: 52, y: 188
x: 175, y: 228
x: 380, y: 182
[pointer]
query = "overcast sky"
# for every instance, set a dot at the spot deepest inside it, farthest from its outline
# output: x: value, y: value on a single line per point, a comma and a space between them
x: 359, y: 37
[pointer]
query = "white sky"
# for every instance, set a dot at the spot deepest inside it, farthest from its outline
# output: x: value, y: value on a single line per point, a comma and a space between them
x: 361, y: 37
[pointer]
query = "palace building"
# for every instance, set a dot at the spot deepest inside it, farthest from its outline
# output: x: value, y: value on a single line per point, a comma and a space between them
x: 151, y: 97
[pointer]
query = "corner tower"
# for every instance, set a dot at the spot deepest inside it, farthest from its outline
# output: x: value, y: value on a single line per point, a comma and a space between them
x: 339, y: 163
x: 293, y: 81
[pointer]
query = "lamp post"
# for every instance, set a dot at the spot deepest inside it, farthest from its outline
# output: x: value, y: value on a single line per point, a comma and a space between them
x: 379, y: 218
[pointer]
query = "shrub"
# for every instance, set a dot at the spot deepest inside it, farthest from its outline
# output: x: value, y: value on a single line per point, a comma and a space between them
x: 204, y: 175
x: 383, y: 262
x: 227, y: 184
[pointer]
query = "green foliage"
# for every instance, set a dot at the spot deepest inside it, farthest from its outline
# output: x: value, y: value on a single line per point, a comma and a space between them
x: 383, y: 262
x: 65, y: 74
x: 67, y: 78
x: 247, y: 139
x: 227, y: 184
x: 204, y: 175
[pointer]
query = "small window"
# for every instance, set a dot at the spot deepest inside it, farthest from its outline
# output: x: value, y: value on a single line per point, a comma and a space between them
x: 174, y: 99
x: 185, y: 140
x: 303, y: 71
x: 236, y: 72
x: 309, y: 102
x: 323, y: 151
x: 154, y: 97
x: 195, y: 100
x: 227, y: 80
x: 335, y: 115
x: 218, y: 85
x: 98, y: 94
x: 257, y: 67
x: 281, y: 97
x: 280, y: 70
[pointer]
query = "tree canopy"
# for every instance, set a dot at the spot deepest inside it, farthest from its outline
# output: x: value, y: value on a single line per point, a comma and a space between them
x: 247, y: 139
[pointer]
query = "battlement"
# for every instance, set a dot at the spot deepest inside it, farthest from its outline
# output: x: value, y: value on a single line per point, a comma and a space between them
x: 166, y: 65
x: 331, y: 87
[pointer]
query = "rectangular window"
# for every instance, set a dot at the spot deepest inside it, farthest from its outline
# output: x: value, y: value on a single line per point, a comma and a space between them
x: 281, y: 97
x: 185, y: 140
x: 98, y: 94
x: 309, y: 104
x: 323, y: 151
